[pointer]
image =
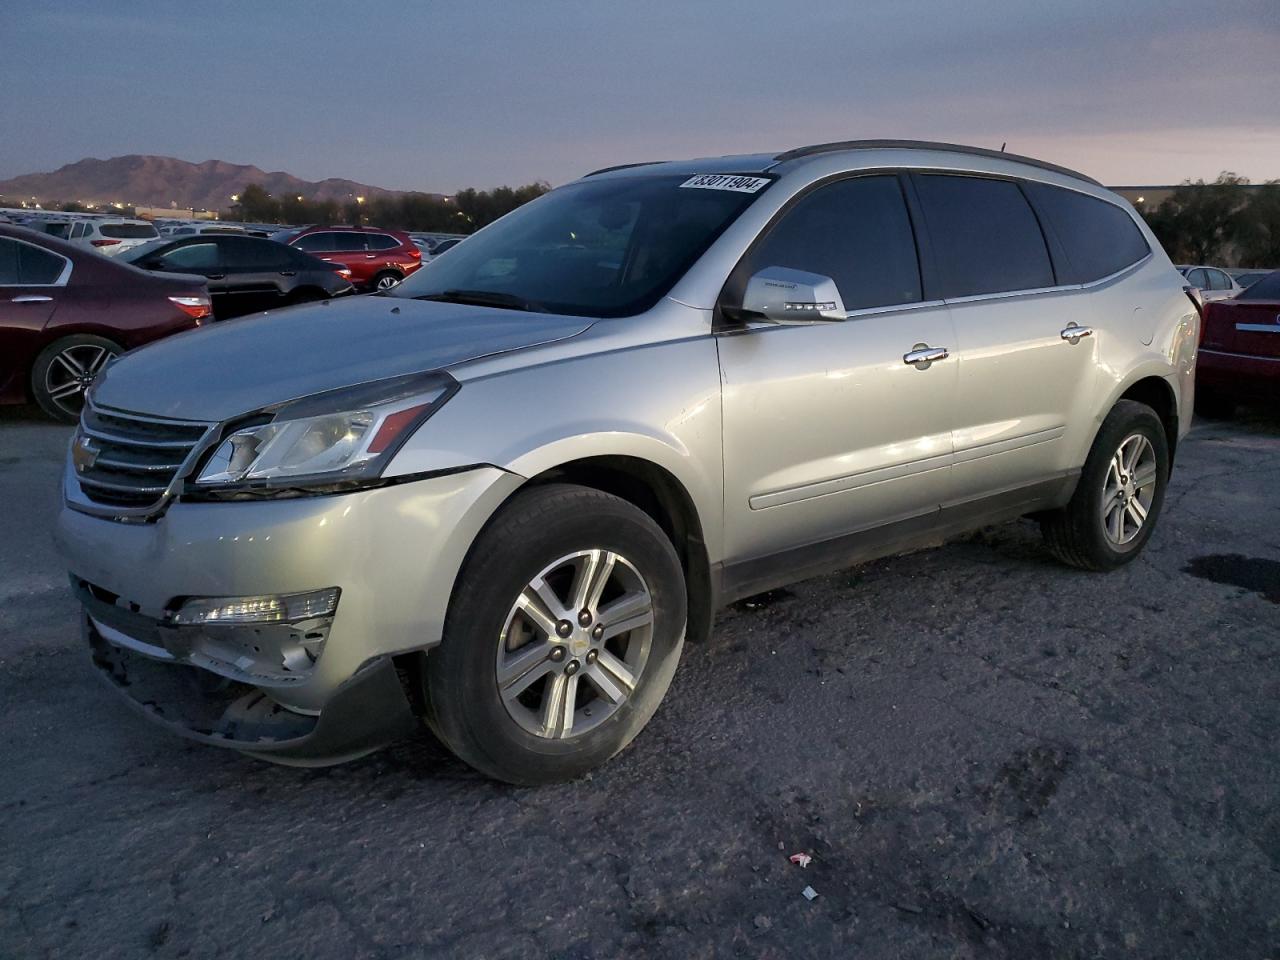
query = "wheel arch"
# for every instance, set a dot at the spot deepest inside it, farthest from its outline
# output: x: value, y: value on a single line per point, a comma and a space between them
x: 657, y: 492
x: 1155, y: 392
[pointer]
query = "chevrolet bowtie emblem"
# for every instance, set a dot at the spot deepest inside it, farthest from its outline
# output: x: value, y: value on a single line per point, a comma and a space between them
x: 84, y: 454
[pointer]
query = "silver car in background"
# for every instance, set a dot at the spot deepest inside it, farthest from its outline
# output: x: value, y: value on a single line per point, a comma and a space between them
x: 501, y: 496
x: 1214, y: 283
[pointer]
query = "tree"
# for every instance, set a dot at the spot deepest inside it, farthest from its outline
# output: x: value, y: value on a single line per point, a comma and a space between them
x: 1198, y: 221
x: 1258, y: 231
x: 468, y: 211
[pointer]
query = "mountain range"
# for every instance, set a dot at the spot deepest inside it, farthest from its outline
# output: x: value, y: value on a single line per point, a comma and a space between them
x: 150, y: 181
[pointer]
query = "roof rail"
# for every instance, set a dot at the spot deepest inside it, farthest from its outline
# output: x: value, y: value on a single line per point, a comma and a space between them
x: 622, y: 166
x: 818, y: 148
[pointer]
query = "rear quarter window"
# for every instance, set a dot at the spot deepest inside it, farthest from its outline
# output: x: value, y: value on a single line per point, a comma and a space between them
x: 985, y: 237
x: 382, y: 241
x: 1096, y: 238
x: 22, y: 264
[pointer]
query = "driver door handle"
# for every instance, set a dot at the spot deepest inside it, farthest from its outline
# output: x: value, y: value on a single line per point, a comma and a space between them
x: 1072, y: 333
x: 923, y: 355
x: 288, y: 273
x: 32, y: 298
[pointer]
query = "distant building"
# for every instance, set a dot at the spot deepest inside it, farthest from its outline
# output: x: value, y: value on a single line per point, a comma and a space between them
x: 173, y: 213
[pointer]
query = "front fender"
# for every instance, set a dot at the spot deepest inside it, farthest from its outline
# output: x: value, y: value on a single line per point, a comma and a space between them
x: 656, y: 402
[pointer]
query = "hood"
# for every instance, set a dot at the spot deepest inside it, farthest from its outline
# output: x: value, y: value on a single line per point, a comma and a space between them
x: 238, y: 366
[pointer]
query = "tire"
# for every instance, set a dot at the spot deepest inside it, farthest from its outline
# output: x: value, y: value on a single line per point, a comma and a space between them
x: 1084, y: 533
x: 386, y: 280
x: 490, y: 638
x: 1214, y: 405
x: 55, y: 382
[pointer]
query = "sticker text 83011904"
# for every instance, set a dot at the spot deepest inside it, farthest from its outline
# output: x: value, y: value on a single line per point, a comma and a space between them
x: 725, y: 181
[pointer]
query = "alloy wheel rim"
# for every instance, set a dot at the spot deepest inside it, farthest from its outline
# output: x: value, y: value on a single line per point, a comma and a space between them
x: 386, y: 283
x: 575, y: 644
x: 71, y: 373
x: 1129, y: 489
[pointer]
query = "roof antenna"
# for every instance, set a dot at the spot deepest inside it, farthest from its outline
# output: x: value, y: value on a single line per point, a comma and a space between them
x: 1003, y: 145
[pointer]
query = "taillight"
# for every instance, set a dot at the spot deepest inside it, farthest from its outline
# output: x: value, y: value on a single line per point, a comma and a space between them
x: 1197, y: 300
x: 415, y: 253
x: 344, y: 273
x: 104, y: 243
x: 198, y: 308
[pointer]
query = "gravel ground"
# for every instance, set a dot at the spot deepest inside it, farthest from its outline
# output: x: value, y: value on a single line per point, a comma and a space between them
x: 986, y: 754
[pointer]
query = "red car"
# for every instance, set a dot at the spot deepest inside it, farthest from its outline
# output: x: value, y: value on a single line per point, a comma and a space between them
x: 378, y: 259
x: 1239, y: 358
x: 66, y: 310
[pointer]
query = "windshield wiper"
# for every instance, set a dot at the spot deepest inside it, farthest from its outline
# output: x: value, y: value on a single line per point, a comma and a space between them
x: 485, y: 298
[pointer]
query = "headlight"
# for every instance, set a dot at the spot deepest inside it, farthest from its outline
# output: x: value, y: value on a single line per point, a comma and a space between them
x: 327, y: 440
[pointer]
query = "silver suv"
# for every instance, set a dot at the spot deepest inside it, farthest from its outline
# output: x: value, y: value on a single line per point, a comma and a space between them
x: 502, y: 495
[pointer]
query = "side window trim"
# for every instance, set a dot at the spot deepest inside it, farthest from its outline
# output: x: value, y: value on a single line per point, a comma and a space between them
x: 63, y: 278
x: 914, y: 174
x: 719, y: 324
x: 1057, y: 287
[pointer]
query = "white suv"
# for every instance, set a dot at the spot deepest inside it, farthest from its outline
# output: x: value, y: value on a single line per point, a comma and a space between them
x: 501, y: 496
x: 112, y: 237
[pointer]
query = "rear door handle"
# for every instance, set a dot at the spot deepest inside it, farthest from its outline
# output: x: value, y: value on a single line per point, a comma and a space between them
x: 1072, y: 333
x: 288, y: 273
x: 215, y: 276
x: 32, y: 298
x: 922, y: 355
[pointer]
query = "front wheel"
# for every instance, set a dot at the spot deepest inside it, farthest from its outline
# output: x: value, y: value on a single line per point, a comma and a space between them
x: 562, y: 637
x: 1117, y: 501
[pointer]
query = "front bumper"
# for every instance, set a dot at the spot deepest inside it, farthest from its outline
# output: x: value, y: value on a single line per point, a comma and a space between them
x: 395, y: 552
x: 367, y: 711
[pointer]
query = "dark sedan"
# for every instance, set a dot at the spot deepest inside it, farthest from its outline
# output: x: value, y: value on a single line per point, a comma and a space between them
x: 65, y: 311
x: 1239, y: 358
x: 245, y: 274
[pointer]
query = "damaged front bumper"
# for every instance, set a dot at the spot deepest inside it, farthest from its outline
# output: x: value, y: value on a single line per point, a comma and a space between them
x: 152, y: 668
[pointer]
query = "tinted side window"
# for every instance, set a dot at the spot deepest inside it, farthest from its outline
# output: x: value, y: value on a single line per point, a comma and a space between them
x: 1218, y: 280
x: 1199, y: 279
x: 348, y: 242
x: 985, y: 237
x: 855, y: 231
x: 382, y: 241
x: 1098, y: 238
x: 8, y: 262
x: 38, y: 266
x: 246, y: 253
x: 193, y: 256
x: 315, y: 242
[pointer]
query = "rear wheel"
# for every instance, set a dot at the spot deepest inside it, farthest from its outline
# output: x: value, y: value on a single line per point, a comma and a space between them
x: 1118, y: 499
x: 561, y: 639
x: 64, y: 370
x: 386, y: 280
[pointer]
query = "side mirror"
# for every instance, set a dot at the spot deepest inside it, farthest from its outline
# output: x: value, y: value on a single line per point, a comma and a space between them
x: 783, y: 295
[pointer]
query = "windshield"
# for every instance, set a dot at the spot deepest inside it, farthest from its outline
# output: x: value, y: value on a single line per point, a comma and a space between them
x: 1268, y: 288
x: 597, y: 248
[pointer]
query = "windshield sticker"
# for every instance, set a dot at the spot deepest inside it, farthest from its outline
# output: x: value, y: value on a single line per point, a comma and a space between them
x: 725, y: 181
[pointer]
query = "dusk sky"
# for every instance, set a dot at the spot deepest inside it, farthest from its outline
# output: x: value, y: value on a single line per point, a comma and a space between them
x: 439, y: 96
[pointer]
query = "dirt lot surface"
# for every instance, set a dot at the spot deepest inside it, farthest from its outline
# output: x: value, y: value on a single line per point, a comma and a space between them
x: 986, y: 755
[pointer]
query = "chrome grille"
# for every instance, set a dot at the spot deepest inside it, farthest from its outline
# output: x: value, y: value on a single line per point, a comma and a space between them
x: 128, y: 460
